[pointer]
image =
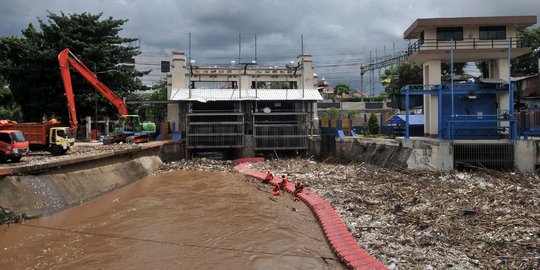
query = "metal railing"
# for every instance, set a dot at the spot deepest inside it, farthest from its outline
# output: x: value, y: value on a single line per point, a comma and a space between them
x: 470, y: 43
x: 456, y: 87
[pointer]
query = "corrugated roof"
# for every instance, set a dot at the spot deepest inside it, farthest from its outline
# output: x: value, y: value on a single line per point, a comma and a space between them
x: 204, y: 95
x: 493, y: 80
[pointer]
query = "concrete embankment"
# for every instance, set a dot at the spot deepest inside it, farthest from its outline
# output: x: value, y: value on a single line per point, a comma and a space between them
x: 418, y: 154
x: 51, y: 187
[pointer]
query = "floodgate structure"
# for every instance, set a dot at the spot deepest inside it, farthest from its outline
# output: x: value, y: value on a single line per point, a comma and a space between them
x: 245, y: 110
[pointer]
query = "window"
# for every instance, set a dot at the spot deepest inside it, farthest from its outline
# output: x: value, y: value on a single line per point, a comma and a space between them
x: 18, y: 136
x: 492, y: 32
x: 449, y: 33
x: 4, y: 137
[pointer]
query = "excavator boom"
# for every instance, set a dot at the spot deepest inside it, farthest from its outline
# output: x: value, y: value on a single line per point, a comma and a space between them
x: 67, y: 58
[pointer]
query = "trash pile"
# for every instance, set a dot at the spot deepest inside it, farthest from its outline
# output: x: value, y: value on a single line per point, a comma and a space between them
x: 197, y: 164
x: 430, y: 220
x: 78, y: 150
x: 7, y: 216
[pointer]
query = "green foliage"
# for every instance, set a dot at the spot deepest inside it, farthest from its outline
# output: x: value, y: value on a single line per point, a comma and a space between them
x: 527, y: 64
x: 151, y: 112
x: 484, y: 69
x: 365, y: 129
x: 342, y: 88
x: 333, y: 112
x: 352, y: 113
x: 279, y: 85
x: 30, y: 66
x: 458, y: 68
x: 373, y: 124
x: 9, y: 110
x: 402, y: 74
x: 381, y: 97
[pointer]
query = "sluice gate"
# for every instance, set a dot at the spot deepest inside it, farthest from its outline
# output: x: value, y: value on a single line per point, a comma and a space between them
x: 489, y: 156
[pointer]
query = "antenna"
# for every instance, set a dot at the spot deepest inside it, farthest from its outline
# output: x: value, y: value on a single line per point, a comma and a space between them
x: 256, y: 72
x: 189, y: 62
x: 239, y: 67
x: 302, y: 45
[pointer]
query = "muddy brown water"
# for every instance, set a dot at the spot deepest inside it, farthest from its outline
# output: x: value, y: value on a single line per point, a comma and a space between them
x: 179, y: 220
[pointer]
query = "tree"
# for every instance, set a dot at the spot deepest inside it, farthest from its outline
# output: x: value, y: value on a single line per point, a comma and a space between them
x: 352, y: 113
x: 458, y: 68
x: 373, y: 124
x: 342, y: 88
x: 333, y: 113
x: 9, y: 109
x: 279, y: 85
x: 527, y: 64
x: 398, y: 76
x: 30, y: 66
x: 151, y: 112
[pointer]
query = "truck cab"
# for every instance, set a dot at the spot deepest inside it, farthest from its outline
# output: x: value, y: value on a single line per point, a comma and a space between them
x: 13, y: 145
x: 60, y: 140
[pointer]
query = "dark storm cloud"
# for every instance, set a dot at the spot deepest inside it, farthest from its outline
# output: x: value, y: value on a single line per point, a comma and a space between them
x: 335, y: 32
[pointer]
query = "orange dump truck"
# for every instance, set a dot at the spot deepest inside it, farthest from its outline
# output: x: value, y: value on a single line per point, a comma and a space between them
x: 47, y: 136
x: 13, y: 144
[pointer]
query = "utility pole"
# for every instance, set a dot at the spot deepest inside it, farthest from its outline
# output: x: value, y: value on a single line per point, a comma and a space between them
x: 239, y: 66
x: 302, y: 44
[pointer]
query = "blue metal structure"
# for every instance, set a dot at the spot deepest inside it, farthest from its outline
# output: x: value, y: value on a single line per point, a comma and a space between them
x: 466, y: 111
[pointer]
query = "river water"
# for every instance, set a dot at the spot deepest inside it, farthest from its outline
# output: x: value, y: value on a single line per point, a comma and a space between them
x: 179, y: 220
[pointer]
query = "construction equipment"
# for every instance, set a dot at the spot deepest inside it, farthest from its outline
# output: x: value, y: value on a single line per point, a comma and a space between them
x: 48, y: 136
x: 13, y: 143
x: 128, y: 128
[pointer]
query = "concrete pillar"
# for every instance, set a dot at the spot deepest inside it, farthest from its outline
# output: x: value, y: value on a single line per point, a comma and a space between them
x: 88, y: 127
x: 502, y: 70
x: 107, y: 124
x: 309, y: 79
x: 245, y: 85
x: 177, y: 81
x: 525, y: 155
x: 432, y: 75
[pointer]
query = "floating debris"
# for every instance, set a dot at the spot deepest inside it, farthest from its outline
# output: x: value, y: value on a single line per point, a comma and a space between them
x: 7, y: 216
x: 429, y: 220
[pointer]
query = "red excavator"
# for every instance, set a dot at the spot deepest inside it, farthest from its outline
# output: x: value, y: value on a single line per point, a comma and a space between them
x: 129, y: 127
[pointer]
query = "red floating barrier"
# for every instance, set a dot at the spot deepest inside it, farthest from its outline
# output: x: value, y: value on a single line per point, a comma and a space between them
x: 339, y: 238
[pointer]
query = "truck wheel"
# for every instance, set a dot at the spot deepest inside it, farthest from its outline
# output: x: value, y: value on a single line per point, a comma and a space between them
x: 16, y: 159
x: 2, y: 158
x: 64, y: 151
x: 56, y: 150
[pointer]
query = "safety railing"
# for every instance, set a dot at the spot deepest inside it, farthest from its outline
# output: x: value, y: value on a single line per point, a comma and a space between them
x: 494, y: 125
x: 471, y: 43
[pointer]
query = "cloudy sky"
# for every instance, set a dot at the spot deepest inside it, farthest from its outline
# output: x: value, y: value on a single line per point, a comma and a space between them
x: 339, y: 34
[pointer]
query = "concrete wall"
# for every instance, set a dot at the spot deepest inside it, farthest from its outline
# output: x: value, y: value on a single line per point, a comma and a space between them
x: 418, y: 154
x: 526, y: 155
x: 50, y: 190
x: 415, y: 154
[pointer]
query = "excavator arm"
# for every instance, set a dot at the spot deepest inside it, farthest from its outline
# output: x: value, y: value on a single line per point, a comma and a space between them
x: 67, y: 58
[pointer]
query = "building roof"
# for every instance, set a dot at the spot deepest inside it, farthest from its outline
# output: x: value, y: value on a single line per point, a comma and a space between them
x: 413, y: 32
x: 204, y: 95
x: 414, y: 119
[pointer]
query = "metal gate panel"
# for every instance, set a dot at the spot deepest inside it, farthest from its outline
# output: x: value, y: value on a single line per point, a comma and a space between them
x: 484, y: 156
